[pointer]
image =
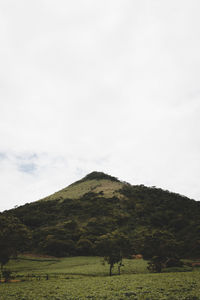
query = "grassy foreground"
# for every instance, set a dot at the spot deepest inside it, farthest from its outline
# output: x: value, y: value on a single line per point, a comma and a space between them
x: 86, y: 278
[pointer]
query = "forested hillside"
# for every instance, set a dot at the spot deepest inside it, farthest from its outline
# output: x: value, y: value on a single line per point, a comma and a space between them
x: 72, y: 221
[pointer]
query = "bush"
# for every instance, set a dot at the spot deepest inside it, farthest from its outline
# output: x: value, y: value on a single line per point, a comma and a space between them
x: 84, y: 247
x: 6, y: 275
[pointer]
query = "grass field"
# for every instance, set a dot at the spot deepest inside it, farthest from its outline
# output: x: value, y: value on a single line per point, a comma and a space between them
x: 76, y: 191
x: 86, y: 278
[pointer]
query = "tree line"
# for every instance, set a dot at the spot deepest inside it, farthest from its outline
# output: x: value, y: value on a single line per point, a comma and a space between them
x: 159, y: 247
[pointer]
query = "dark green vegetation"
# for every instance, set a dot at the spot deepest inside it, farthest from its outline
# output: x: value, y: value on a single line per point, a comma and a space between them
x: 100, y: 215
x: 86, y: 278
x: 14, y: 238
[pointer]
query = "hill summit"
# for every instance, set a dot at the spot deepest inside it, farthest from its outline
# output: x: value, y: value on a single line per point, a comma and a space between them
x: 97, y: 176
x: 71, y: 221
x: 96, y: 182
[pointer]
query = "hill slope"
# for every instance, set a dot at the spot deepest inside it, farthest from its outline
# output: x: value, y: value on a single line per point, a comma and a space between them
x: 70, y: 221
x: 96, y: 182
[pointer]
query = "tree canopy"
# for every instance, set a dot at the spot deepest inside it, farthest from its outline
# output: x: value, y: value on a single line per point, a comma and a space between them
x: 160, y: 248
x: 113, y: 247
x: 14, y: 237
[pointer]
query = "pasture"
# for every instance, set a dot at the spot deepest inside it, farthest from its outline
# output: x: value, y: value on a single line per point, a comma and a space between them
x: 87, y: 278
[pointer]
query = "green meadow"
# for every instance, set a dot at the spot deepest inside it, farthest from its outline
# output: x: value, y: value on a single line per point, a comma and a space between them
x: 87, y: 278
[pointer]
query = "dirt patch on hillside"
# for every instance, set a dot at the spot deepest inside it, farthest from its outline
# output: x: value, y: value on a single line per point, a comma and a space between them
x: 31, y: 255
x: 10, y: 281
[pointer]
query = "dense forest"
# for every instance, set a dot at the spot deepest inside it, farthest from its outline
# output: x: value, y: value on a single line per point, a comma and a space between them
x: 62, y: 226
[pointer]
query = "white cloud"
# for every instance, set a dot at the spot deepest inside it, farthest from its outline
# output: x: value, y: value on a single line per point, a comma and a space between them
x: 89, y: 85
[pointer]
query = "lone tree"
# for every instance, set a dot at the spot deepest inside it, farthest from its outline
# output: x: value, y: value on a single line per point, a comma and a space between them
x: 113, y: 246
x: 161, y: 249
x: 14, y: 237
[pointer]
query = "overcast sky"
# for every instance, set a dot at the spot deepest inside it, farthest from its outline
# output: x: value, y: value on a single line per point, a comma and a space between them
x: 108, y: 85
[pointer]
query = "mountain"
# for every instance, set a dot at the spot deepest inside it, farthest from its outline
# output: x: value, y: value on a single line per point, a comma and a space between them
x: 70, y: 221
